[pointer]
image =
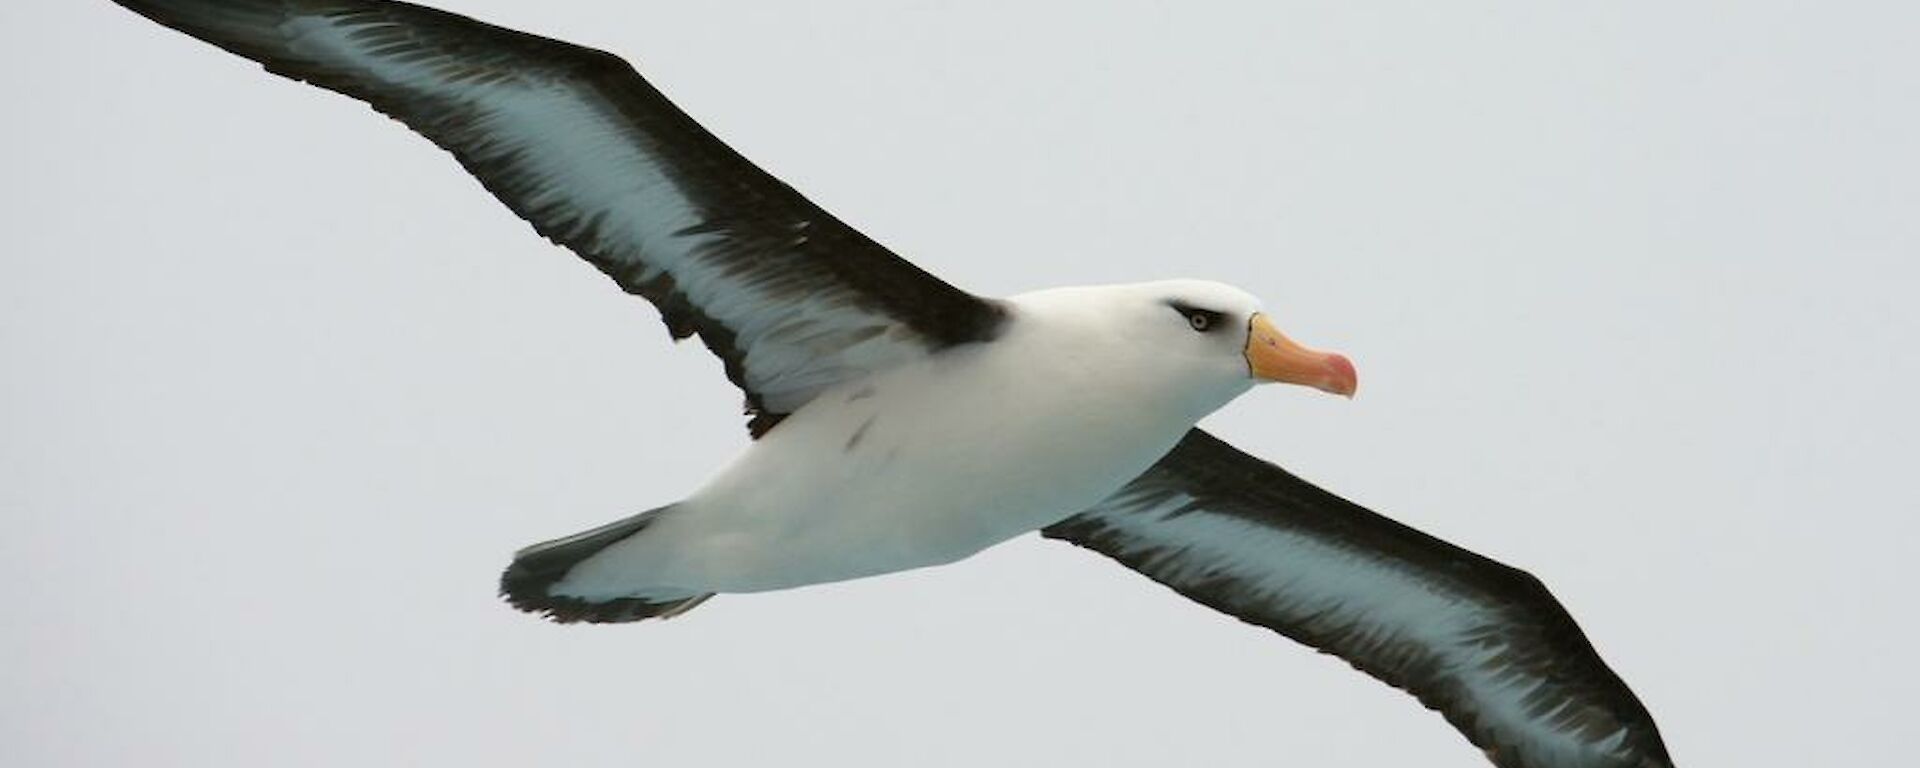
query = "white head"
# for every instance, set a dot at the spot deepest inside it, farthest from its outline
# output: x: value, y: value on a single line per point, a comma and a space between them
x: 1197, y: 342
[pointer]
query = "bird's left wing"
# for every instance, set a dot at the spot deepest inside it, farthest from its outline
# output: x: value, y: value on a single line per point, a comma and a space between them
x: 1482, y: 643
x: 578, y: 144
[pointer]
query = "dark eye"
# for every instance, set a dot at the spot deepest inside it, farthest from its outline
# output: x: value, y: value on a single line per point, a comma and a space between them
x: 1201, y: 320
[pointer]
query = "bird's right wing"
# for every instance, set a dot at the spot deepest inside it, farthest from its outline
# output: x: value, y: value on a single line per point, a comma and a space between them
x: 1482, y: 643
x: 578, y: 144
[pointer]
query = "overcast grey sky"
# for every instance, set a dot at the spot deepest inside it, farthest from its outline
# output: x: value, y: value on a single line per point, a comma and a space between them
x: 1628, y: 284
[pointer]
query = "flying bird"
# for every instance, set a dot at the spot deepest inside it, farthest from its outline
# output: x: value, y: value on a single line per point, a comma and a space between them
x: 901, y: 422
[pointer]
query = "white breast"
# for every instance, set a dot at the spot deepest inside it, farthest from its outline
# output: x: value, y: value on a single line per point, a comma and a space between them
x: 920, y: 465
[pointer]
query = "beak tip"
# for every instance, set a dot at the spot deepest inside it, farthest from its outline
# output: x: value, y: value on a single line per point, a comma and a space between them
x: 1345, y: 380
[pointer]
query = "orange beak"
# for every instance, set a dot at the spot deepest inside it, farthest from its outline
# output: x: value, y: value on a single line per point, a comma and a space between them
x: 1271, y: 356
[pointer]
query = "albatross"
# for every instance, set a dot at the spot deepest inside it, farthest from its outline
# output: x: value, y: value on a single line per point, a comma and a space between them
x: 900, y: 422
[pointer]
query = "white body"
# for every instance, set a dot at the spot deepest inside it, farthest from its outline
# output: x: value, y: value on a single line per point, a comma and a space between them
x: 938, y: 459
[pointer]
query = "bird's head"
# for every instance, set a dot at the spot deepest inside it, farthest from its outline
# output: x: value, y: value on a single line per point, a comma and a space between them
x: 1207, y: 340
x: 1227, y: 328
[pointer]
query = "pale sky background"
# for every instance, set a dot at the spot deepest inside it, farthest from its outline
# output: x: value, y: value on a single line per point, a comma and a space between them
x: 1629, y: 286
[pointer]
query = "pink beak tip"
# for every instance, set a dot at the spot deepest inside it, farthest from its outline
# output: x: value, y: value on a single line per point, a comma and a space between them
x: 1342, y: 379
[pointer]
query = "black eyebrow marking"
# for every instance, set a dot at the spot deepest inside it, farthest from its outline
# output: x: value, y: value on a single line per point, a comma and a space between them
x: 1188, y: 310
